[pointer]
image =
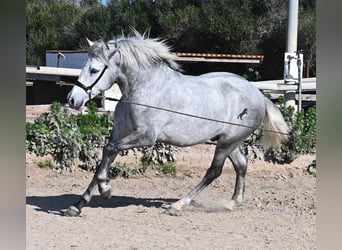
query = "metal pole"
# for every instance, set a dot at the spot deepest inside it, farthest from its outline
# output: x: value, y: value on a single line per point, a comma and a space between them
x: 291, y: 45
x: 292, y: 26
x: 299, y: 65
x: 59, y: 55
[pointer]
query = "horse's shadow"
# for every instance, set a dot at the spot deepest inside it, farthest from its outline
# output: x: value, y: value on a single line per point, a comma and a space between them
x: 56, y: 204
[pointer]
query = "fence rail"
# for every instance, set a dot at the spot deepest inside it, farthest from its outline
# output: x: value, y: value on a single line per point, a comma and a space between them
x: 308, y: 84
x: 275, y: 87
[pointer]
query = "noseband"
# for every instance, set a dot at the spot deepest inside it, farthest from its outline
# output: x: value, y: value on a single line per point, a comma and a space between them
x: 90, y: 87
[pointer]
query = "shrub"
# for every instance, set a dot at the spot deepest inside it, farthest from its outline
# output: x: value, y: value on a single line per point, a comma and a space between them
x: 301, y: 139
x: 119, y: 169
x: 67, y: 137
x: 47, y: 163
x: 168, y: 168
x: 158, y: 154
x: 251, y: 146
x: 302, y: 135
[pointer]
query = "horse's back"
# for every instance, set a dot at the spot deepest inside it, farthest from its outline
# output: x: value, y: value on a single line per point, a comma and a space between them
x: 231, y: 79
x: 232, y: 86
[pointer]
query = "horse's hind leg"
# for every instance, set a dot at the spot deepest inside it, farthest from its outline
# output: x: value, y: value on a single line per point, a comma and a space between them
x: 100, y: 178
x: 215, y: 170
x: 239, y: 161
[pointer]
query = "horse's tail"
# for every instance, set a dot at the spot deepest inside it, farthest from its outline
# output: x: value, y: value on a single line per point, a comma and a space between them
x: 273, y: 121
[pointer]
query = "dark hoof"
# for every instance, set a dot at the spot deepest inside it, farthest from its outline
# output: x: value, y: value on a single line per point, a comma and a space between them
x: 172, y: 211
x: 71, y: 212
x: 106, y: 194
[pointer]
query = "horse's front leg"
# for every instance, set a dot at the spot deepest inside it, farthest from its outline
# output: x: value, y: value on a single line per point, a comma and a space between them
x: 109, y: 154
x: 100, y: 177
x: 133, y: 140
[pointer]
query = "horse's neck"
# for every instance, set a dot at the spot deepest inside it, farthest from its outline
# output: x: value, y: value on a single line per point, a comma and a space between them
x: 140, y: 80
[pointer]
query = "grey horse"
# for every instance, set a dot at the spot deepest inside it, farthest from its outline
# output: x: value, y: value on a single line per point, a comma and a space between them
x: 222, y: 107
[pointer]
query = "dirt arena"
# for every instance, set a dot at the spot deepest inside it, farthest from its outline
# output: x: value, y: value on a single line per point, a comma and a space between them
x: 279, y: 211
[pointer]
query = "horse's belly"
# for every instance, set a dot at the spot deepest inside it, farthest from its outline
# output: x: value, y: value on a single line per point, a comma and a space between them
x: 189, y: 134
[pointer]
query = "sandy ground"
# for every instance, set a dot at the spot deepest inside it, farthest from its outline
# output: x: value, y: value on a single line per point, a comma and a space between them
x: 279, y: 211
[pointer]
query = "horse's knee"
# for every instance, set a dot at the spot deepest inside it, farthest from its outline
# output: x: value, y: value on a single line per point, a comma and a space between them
x: 109, y: 149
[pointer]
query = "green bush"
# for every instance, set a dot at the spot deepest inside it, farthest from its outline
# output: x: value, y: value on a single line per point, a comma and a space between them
x: 168, y: 168
x: 45, y: 163
x: 252, y: 147
x: 301, y: 139
x: 158, y: 154
x: 302, y: 135
x: 119, y: 169
x: 67, y: 137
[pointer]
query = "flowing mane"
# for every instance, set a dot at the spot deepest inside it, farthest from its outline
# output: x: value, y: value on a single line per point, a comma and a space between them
x: 136, y: 51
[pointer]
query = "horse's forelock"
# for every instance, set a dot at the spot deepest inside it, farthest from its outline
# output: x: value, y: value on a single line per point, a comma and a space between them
x: 97, y: 50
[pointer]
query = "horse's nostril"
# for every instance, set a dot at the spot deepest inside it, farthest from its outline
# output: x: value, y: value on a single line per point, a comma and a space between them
x: 71, y: 102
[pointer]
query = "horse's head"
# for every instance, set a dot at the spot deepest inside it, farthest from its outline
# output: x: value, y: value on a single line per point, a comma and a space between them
x: 99, y: 74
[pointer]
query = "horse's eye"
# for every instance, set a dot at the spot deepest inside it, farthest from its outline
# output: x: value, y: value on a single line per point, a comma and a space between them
x: 93, y: 71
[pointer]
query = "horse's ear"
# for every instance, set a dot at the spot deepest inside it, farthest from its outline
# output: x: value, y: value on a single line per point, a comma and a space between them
x: 89, y: 42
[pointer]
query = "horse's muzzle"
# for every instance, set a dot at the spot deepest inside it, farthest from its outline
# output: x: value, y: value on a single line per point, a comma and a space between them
x: 74, y: 101
x: 71, y: 102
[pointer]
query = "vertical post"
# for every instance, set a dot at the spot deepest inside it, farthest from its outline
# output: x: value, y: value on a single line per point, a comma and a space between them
x: 59, y: 55
x: 291, y: 45
x: 300, y: 67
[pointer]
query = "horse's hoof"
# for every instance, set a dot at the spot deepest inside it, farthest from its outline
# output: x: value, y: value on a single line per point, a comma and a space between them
x: 172, y: 211
x: 229, y: 205
x: 71, y: 211
x: 106, y: 194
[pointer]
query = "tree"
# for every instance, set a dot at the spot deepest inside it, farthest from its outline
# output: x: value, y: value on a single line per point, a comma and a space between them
x: 272, y: 21
x: 307, y: 34
x: 206, y: 26
x: 49, y: 25
x: 94, y: 23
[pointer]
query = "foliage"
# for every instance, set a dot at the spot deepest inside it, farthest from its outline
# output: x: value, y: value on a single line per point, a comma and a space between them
x: 94, y: 23
x: 119, y: 169
x: 302, y: 135
x: 168, y: 168
x: 158, y: 154
x: 251, y: 146
x: 94, y: 128
x: 241, y: 27
x: 47, y: 163
x: 301, y: 139
x: 68, y: 137
x: 49, y: 25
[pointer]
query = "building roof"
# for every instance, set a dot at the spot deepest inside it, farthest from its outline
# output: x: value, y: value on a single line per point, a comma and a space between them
x: 196, y: 57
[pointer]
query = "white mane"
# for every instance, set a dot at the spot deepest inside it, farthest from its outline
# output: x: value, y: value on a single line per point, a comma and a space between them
x: 135, y: 51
